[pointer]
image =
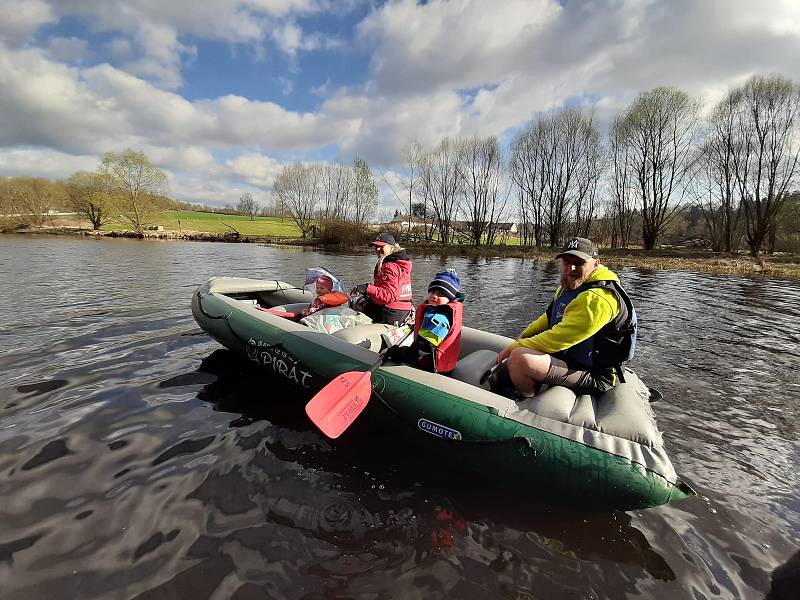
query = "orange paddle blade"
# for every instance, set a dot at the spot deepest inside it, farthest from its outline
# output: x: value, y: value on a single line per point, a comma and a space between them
x: 338, y: 404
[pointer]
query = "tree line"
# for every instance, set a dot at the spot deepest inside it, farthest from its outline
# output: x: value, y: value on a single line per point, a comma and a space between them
x: 125, y: 187
x: 661, y: 162
x: 318, y: 195
x: 563, y: 177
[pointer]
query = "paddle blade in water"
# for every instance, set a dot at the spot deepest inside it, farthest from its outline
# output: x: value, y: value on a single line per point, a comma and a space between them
x: 338, y: 404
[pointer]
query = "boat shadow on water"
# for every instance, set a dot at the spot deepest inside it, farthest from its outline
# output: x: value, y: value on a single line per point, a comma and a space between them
x: 425, y: 476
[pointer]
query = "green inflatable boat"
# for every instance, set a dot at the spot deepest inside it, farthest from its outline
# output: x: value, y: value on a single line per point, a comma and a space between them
x: 603, y: 452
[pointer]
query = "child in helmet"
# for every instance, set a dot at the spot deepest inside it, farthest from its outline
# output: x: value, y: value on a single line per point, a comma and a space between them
x: 437, y: 327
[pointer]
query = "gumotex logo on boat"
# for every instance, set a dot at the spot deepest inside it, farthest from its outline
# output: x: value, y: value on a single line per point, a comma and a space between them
x: 438, y: 430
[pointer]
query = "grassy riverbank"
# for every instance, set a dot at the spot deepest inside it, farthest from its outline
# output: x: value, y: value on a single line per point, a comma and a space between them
x: 200, y: 222
x: 189, y: 225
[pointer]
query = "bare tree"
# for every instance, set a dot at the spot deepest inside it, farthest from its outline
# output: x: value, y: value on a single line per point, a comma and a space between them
x: 787, y: 225
x: 89, y: 196
x: 248, y: 206
x: 134, y: 181
x: 557, y: 162
x: 592, y: 164
x: 481, y: 170
x: 622, y: 187
x: 296, y: 192
x: 7, y: 205
x: 414, y: 155
x: 659, y: 130
x: 526, y: 173
x: 364, y: 199
x: 11, y: 202
x: 767, y: 148
x: 718, y: 197
x: 441, y: 185
x: 337, y: 190
x: 31, y: 199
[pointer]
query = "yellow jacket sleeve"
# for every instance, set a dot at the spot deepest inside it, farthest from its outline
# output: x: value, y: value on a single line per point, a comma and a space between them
x: 584, y: 317
x: 537, y: 326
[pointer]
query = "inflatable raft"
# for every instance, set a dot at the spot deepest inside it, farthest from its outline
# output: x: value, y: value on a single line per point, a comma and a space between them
x: 603, y: 452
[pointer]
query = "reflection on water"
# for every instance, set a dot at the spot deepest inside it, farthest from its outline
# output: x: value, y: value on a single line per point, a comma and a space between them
x: 138, y: 459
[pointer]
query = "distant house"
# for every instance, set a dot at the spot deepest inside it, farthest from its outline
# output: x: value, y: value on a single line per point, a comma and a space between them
x: 410, y: 222
x: 526, y: 229
x: 507, y: 228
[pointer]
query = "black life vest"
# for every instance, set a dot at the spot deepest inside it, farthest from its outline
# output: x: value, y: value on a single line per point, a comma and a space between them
x: 615, y: 343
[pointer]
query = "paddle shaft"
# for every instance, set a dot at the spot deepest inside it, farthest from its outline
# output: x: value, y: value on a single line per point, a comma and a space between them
x: 488, y: 373
x: 386, y: 352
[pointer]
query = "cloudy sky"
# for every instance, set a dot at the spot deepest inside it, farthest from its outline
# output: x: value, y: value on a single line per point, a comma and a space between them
x: 221, y: 93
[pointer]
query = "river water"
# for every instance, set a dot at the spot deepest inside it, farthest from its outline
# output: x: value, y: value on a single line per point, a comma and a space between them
x: 139, y: 459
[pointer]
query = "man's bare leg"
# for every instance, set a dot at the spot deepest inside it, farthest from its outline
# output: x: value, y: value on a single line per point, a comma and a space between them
x: 527, y: 368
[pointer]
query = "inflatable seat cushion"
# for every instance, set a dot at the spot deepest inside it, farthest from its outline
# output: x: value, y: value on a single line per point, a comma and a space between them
x: 295, y: 307
x: 368, y: 335
x: 622, y: 411
x: 471, y: 368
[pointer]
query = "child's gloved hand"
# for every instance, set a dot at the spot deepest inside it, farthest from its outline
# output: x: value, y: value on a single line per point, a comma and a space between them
x: 402, y: 354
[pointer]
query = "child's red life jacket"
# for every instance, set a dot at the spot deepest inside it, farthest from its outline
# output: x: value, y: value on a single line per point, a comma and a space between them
x: 447, y: 352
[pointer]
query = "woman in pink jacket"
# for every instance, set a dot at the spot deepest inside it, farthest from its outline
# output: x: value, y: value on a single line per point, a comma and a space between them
x: 389, y: 298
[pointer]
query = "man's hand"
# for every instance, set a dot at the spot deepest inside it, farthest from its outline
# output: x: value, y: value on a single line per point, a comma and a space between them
x: 504, y: 354
x: 360, y: 289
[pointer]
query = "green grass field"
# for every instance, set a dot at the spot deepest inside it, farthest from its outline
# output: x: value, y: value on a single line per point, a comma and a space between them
x: 186, y: 220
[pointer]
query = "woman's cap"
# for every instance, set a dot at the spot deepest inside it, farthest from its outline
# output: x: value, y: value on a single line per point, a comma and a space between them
x: 383, y: 239
x: 448, y: 282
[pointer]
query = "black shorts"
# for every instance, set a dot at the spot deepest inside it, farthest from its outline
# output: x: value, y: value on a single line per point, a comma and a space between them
x: 578, y: 379
x: 381, y: 314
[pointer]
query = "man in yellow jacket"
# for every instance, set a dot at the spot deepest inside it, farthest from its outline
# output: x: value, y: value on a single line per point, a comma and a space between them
x: 583, y: 337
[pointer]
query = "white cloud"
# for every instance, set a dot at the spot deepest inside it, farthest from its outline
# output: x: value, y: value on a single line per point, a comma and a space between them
x: 43, y: 163
x: 291, y: 39
x: 161, y: 55
x: 285, y: 7
x: 437, y: 69
x: 323, y: 89
x: 392, y: 190
x: 154, y: 29
x: 203, y: 190
x: 69, y: 49
x: 120, y: 48
x: 183, y: 158
x: 255, y: 169
x: 236, y: 21
x: 43, y: 103
x: 455, y: 68
x: 267, y: 125
x: 287, y: 85
x: 453, y: 45
x: 46, y: 103
x: 22, y: 18
x: 389, y: 125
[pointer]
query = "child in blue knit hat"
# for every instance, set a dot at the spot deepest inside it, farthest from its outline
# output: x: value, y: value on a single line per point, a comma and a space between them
x: 437, y: 327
